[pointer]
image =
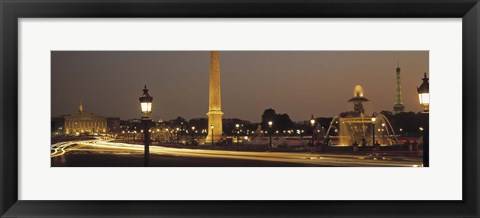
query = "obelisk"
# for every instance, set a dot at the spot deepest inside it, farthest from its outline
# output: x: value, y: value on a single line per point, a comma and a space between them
x: 215, y: 113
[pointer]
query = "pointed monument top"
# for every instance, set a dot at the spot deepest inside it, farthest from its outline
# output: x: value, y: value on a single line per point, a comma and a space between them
x: 80, y: 107
x: 425, y: 78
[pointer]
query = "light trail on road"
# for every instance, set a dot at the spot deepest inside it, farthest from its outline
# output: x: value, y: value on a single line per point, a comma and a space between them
x: 59, y: 148
x: 286, y: 157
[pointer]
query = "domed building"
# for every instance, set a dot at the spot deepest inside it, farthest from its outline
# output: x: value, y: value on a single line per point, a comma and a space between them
x: 85, y: 123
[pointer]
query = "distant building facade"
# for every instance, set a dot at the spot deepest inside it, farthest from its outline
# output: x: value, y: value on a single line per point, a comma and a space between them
x: 161, y: 133
x: 113, y: 125
x: 85, y: 123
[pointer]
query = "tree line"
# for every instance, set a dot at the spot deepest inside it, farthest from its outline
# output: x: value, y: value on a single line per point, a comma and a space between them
x: 407, y: 122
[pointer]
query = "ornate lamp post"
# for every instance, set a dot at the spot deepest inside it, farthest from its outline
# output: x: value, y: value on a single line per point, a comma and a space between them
x: 146, y: 106
x: 212, y: 127
x: 270, y: 123
x: 424, y: 94
x: 373, y: 130
x: 312, y: 122
x: 424, y: 99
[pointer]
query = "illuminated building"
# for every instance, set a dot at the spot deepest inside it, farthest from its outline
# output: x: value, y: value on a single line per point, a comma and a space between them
x: 85, y: 123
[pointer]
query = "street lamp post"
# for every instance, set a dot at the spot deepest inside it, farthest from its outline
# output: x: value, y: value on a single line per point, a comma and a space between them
x: 424, y: 99
x: 177, y: 135
x: 182, y: 133
x: 238, y: 132
x: 146, y: 106
x: 193, y: 134
x: 212, y: 127
x: 384, y: 137
x: 373, y: 130
x: 270, y: 123
x: 312, y: 122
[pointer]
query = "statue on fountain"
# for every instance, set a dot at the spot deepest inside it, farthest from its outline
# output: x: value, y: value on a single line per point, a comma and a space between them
x: 354, y: 126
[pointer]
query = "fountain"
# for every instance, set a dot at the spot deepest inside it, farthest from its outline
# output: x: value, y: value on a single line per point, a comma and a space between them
x: 356, y: 127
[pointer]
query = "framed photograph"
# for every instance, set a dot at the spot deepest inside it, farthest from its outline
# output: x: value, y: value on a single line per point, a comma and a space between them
x: 356, y: 137
x: 226, y: 108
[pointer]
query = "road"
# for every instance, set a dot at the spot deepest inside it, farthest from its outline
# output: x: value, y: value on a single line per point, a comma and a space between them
x: 285, y: 158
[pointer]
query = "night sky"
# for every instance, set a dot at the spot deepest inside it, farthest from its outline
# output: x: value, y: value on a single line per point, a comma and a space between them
x: 298, y: 83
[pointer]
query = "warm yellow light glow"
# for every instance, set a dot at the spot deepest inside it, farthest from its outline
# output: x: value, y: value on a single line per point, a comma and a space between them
x: 424, y: 94
x: 374, y: 119
x: 358, y: 91
x: 146, y: 107
x: 424, y: 99
x: 270, y: 123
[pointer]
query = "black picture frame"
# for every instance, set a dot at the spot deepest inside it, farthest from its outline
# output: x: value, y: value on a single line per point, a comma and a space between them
x: 12, y: 10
